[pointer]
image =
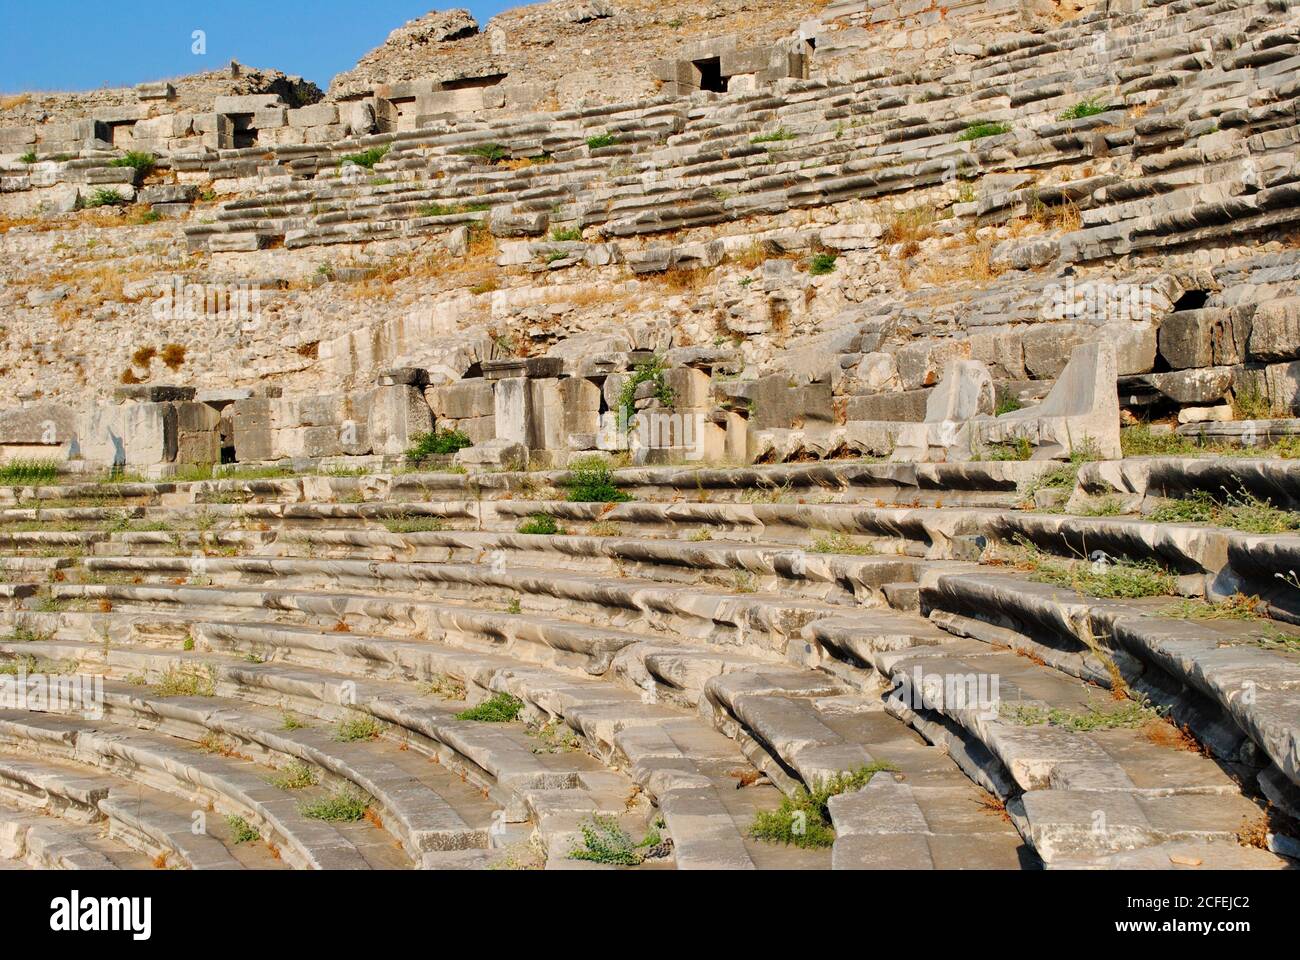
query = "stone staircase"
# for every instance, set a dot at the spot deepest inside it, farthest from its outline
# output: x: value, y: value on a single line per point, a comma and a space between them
x: 681, y: 661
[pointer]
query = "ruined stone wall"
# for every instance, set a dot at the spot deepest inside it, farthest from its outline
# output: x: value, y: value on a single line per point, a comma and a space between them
x: 194, y: 93
x: 566, y: 53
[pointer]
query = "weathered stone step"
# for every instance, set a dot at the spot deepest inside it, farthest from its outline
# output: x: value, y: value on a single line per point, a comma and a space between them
x: 48, y: 844
x: 228, y: 783
x: 652, y: 558
x: 694, y: 611
x: 422, y: 819
x: 1218, y: 661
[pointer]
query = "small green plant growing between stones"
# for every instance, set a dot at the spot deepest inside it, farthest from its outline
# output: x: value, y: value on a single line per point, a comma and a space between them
x: 514, y: 606
x: 440, y: 443
x: 444, y: 686
x: 1103, y: 507
x: 30, y: 472
x: 407, y: 523
x: 1141, y: 441
x: 554, y: 736
x: 23, y: 632
x: 1007, y: 402
x: 1103, y: 578
x: 1084, y: 108
x: 773, y: 136
x: 1126, y: 714
x: 1021, y: 448
x: 358, y: 726
x: 591, y: 481
x: 289, y: 722
x: 840, y: 543
x: 822, y: 264
x: 1241, y: 511
x: 803, y: 819
x: 104, y: 197
x: 491, y: 152
x: 366, y: 158
x: 341, y: 806
x: 1271, y: 638
x: 540, y: 524
x: 296, y: 776
x: 1250, y: 403
x: 983, y: 128
x: 602, y: 140
x: 240, y: 830
x: 1236, y: 607
x: 142, y: 163
x: 605, y: 841
x: 186, y: 683
x: 648, y: 371
x: 566, y: 234
x: 500, y: 708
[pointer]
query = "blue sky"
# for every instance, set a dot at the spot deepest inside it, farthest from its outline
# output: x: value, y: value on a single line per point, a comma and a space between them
x: 84, y: 44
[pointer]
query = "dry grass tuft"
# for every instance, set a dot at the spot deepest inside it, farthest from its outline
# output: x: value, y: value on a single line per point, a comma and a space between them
x: 685, y: 281
x: 1165, y: 733
x: 994, y: 805
x: 909, y: 227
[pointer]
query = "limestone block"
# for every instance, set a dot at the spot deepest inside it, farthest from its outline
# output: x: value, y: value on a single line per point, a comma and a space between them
x: 907, y: 406
x: 157, y: 90
x: 315, y: 115
x: 945, y: 436
x: 167, y: 127
x: 193, y: 417
x: 1047, y: 347
x: 1217, y: 414
x: 1282, y: 386
x: 16, y: 138
x: 358, y: 118
x: 250, y: 422
x: 1003, y: 350
x: 462, y: 400
x: 1082, y: 409
x: 313, y: 411
x: 499, y: 453
x: 581, y: 399
x: 736, y: 443
x: 851, y: 236
x: 198, y: 448
x: 398, y: 413
x: 511, y: 407
x: 271, y: 118
x: 690, y: 388
x: 248, y: 103
x: 1201, y: 385
x: 42, y: 423
x: 478, y: 429
x: 503, y: 223
x: 1135, y: 345
x: 1275, y: 330
x: 406, y: 376
x: 1202, y: 338
x: 306, y: 442
x: 129, y: 434
x: 169, y: 193
x: 920, y: 364
x: 546, y: 425
x: 780, y: 404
